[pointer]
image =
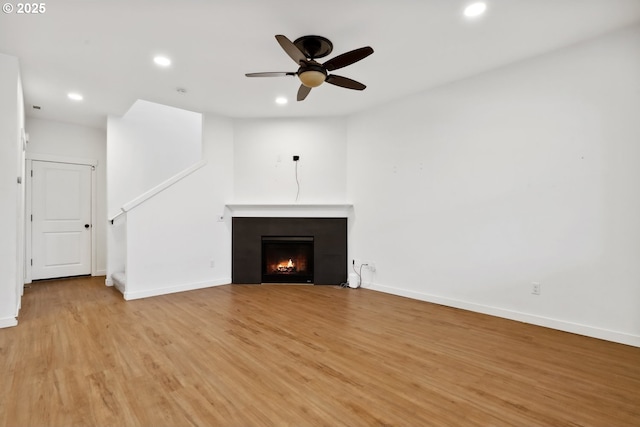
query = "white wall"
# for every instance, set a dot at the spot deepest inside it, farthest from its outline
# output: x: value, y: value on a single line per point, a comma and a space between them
x: 217, y: 149
x: 172, y: 241
x: 175, y: 241
x: 264, y: 166
x: 80, y: 142
x: 466, y: 194
x: 148, y: 145
x: 11, y: 193
x: 22, y: 194
x: 140, y: 156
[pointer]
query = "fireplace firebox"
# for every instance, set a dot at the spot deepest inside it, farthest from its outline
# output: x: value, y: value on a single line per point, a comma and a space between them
x: 287, y: 259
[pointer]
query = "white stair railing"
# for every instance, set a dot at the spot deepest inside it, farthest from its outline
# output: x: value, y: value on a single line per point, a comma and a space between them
x: 119, y: 278
x: 157, y: 189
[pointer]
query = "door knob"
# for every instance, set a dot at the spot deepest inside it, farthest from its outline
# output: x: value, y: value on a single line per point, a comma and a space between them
x: 87, y: 226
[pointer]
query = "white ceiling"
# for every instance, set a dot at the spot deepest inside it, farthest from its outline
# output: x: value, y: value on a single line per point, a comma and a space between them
x: 104, y: 49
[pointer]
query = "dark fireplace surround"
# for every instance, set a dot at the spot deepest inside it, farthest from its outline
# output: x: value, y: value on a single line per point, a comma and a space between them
x: 322, y: 259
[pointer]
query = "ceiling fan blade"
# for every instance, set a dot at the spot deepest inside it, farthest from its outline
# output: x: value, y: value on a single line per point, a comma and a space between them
x: 270, y: 74
x: 303, y: 92
x: 347, y: 58
x: 291, y: 49
x: 344, y: 82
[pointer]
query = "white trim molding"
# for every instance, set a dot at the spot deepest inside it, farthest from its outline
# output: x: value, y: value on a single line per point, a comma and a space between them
x: 298, y: 210
x: 8, y: 322
x: 60, y: 159
x: 29, y: 159
x: 561, y: 325
x: 173, y: 289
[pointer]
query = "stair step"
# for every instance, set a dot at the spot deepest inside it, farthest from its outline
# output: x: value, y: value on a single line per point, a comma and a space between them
x: 119, y: 280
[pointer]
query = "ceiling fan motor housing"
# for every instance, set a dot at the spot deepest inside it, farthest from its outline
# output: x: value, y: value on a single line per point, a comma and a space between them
x: 314, y: 46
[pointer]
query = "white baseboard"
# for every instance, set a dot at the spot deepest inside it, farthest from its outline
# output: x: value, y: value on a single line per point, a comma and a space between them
x: 8, y: 322
x: 101, y: 273
x: 561, y: 325
x: 108, y: 281
x: 128, y: 295
x: 119, y: 286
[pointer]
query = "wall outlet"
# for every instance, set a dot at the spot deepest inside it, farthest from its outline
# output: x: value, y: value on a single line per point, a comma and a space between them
x: 212, y: 264
x: 535, y: 288
x: 371, y: 266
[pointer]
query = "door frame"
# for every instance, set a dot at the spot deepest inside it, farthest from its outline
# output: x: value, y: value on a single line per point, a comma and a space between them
x: 30, y: 158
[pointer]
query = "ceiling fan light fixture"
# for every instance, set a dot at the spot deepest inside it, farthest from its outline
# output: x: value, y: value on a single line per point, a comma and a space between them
x: 312, y: 78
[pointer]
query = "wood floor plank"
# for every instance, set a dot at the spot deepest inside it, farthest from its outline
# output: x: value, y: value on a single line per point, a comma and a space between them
x: 298, y: 356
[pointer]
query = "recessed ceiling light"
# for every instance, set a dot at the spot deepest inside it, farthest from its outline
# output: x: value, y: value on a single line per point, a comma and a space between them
x: 475, y: 9
x: 75, y: 96
x: 162, y: 61
x: 281, y: 100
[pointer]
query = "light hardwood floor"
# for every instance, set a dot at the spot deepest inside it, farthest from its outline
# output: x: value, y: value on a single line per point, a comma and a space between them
x: 296, y: 356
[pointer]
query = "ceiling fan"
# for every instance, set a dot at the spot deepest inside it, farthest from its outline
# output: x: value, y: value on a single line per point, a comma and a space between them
x: 304, y: 51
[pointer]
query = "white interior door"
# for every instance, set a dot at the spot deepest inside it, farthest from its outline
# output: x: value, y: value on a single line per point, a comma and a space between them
x: 61, y: 220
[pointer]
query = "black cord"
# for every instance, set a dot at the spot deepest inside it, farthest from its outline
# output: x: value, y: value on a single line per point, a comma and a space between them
x: 359, y: 274
x: 297, y: 182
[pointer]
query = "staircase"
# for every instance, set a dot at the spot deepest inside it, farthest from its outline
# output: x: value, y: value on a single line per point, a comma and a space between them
x: 155, y: 179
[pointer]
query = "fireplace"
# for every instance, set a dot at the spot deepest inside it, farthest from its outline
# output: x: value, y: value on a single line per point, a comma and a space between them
x: 287, y: 259
x: 326, y: 250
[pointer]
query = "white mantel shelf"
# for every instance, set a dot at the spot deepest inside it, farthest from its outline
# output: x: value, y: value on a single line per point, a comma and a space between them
x: 299, y: 210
